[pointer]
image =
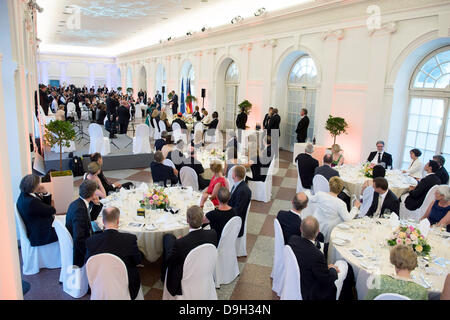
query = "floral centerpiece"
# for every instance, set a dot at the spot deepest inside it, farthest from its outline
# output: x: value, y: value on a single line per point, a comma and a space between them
x: 410, y: 236
x: 367, y: 169
x: 156, y: 199
x: 218, y: 154
x: 187, y: 120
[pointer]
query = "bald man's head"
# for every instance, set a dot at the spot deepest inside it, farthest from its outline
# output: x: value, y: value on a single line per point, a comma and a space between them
x: 309, y: 228
x: 300, y: 201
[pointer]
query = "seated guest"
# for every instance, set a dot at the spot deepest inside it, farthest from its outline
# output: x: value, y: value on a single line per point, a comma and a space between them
x: 196, y: 114
x: 166, y: 122
x: 218, y: 181
x: 161, y: 172
x: 260, y: 165
x: 417, y: 194
x: 215, y: 121
x: 404, y: 260
x: 379, y: 156
x: 336, y: 154
x: 160, y: 143
x: 241, y: 195
x: 439, y: 211
x: 168, y: 147
x: 198, y: 168
x: 177, y: 155
x: 415, y: 167
x: 318, y: 281
x: 60, y: 114
x: 94, y: 170
x: 180, y: 121
x: 325, y: 170
x: 101, y: 114
x: 176, y: 250
x: 219, y: 217
x: 290, y: 220
x: 442, y: 172
x: 383, y: 199
x: 206, y: 117
x: 109, y: 187
x: 120, y: 244
x: 34, y: 206
x: 377, y: 171
x: 306, y: 166
x: 79, y: 216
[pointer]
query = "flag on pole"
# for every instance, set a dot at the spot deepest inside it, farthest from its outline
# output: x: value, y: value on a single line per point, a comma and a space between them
x: 183, y: 106
x: 188, y: 93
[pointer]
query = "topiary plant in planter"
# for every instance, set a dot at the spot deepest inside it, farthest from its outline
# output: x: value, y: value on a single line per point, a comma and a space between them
x: 246, y: 105
x: 190, y: 99
x: 336, y: 126
x: 59, y: 133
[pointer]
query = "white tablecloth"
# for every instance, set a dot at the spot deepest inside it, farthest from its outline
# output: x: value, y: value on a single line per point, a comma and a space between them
x: 370, y: 239
x: 150, y: 241
x: 354, y: 179
x: 206, y: 156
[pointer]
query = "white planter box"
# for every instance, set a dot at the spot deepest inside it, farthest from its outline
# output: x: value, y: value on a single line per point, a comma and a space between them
x: 62, y: 192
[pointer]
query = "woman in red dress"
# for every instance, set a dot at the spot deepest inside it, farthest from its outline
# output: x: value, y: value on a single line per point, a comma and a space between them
x: 218, y: 181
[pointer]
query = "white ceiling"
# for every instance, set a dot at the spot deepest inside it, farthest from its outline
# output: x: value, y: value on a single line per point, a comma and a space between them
x: 111, y: 27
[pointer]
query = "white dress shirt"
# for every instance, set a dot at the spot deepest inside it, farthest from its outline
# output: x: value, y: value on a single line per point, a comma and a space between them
x: 415, y: 169
x: 375, y: 159
x: 381, y: 198
x: 330, y: 212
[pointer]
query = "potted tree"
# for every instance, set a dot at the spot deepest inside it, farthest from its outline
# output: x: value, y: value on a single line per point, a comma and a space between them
x: 336, y: 126
x: 60, y: 134
x: 190, y: 99
x: 119, y: 89
x: 130, y: 91
x: 170, y: 95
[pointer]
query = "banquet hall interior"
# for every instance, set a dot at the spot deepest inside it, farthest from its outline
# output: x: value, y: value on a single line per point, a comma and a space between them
x: 339, y: 191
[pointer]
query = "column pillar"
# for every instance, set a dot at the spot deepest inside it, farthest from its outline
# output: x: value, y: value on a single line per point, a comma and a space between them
x: 63, y: 74
x: 91, y: 75
x: 44, y: 69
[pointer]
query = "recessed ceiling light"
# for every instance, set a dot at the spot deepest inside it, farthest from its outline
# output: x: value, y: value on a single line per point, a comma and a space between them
x: 164, y: 18
x: 187, y: 8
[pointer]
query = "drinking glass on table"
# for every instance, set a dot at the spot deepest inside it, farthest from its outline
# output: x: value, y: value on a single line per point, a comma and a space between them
x: 168, y: 183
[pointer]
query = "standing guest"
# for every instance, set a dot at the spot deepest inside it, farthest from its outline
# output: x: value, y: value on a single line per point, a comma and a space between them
x: 176, y: 250
x: 160, y: 143
x: 306, y: 165
x: 161, y: 172
x: 124, y: 116
x: 101, y: 114
x: 158, y: 98
x: 442, y: 172
x: 112, y: 104
x: 174, y: 102
x: 326, y: 170
x: 415, y: 168
x: 43, y: 99
x: 219, y: 217
x: 274, y: 123
x: 92, y: 173
x: 318, y: 281
x: 404, y: 260
x: 336, y: 154
x: 438, y: 212
x: 241, y: 120
x: 379, y: 156
x: 34, y: 207
x: 416, y: 196
x: 383, y: 199
x: 120, y: 244
x: 302, y: 127
x: 218, y: 181
x: 79, y: 216
x: 241, y: 195
x: 267, y: 119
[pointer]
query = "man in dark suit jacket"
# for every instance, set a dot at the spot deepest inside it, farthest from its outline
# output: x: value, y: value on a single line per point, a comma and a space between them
x: 123, y: 113
x: 290, y: 221
x: 160, y: 143
x: 174, y: 102
x: 161, y: 172
x: 417, y: 194
x: 326, y: 170
x: 241, y: 120
x: 267, y: 119
x: 112, y: 104
x: 34, y: 206
x: 43, y: 99
x: 388, y: 199
x: 78, y: 219
x: 442, y: 172
x: 198, y: 168
x: 302, y: 127
x: 158, y: 98
x: 120, y: 244
x: 306, y: 166
x: 241, y: 195
x: 317, y: 279
x: 176, y: 250
x: 274, y: 123
x: 380, y: 156
x: 180, y: 122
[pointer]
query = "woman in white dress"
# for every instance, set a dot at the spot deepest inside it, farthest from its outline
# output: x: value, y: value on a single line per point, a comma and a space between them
x: 415, y: 168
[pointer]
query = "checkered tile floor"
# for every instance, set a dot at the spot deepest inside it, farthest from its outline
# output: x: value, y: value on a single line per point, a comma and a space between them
x: 254, y: 281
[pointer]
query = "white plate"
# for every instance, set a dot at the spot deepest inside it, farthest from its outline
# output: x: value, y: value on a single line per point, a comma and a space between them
x: 343, y: 226
x: 340, y: 242
x: 150, y: 227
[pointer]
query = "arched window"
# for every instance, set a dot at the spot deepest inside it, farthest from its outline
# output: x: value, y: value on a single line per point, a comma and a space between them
x: 428, y: 118
x: 301, y: 94
x: 231, y: 90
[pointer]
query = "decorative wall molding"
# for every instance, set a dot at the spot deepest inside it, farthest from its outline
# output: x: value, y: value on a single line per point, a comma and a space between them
x: 338, y: 34
x: 270, y: 42
x: 390, y: 27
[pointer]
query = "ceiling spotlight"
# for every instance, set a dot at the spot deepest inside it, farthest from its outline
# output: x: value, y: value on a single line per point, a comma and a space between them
x: 189, y: 33
x: 169, y: 38
x: 260, y: 12
x: 204, y: 29
x: 236, y: 19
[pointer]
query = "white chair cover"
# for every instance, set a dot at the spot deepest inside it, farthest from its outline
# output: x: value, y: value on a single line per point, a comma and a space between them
x: 230, y: 178
x: 85, y: 115
x: 241, y: 242
x: 367, y: 201
x: 169, y: 163
x: 157, y: 133
x: 188, y: 177
x: 300, y: 187
x: 71, y: 110
x: 320, y: 183
x: 176, y: 130
x: 278, y: 260
x: 262, y: 191
x: 424, y: 227
x: 391, y: 296
x: 98, y: 143
x: 141, y: 142
x: 406, y: 214
x: 35, y: 258
x: 74, y: 279
x: 108, y: 278
x: 209, y: 138
x: 291, y: 285
x: 198, y: 127
x: 227, y: 268
x: 162, y: 126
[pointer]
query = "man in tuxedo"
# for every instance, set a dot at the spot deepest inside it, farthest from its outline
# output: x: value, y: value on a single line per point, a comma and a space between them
x: 161, y: 172
x: 274, y: 123
x: 112, y: 104
x: 176, y: 250
x: 383, y: 199
x: 326, y: 170
x: 379, y: 156
x: 158, y: 98
x: 160, y: 143
x: 79, y: 216
x: 43, y: 99
x: 267, y: 119
x: 34, y: 206
x: 241, y: 120
x: 302, y: 127
x: 318, y: 281
x: 442, y: 172
x: 241, y: 195
x: 174, y: 102
x: 180, y: 121
x: 123, y: 113
x: 306, y: 166
x: 120, y: 244
x: 417, y: 194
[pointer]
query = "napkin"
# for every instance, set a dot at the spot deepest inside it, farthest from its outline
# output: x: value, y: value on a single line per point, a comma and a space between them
x: 167, y: 218
x: 143, y: 187
x: 424, y: 227
x: 343, y: 236
x: 393, y: 220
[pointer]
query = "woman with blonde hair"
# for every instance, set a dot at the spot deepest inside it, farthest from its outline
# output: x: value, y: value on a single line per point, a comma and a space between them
x: 166, y: 121
x: 218, y: 181
x: 92, y: 174
x: 336, y: 154
x: 60, y: 114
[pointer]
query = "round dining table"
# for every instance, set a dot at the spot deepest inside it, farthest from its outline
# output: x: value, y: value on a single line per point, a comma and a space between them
x: 363, y: 244
x: 207, y: 155
x: 354, y: 179
x: 150, y: 229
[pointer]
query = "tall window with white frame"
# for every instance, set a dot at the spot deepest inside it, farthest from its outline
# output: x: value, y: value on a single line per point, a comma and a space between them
x: 231, y: 91
x: 428, y: 117
x: 302, y: 82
